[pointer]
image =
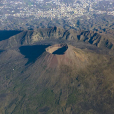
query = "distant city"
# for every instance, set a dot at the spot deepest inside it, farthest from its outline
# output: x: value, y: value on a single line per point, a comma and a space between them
x: 20, y: 13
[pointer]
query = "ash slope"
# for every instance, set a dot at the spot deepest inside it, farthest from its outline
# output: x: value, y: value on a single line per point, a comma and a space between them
x: 33, y: 80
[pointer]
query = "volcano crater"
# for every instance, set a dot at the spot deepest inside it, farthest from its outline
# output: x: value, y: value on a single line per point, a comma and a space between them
x: 58, y: 49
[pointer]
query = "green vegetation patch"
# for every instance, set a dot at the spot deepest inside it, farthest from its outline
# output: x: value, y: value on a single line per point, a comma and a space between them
x: 73, y: 97
x: 45, y: 98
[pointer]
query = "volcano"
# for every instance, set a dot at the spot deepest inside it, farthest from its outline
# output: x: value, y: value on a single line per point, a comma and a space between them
x: 43, y: 75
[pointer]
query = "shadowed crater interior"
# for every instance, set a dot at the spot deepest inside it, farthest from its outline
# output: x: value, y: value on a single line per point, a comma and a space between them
x: 32, y: 52
x: 58, y: 49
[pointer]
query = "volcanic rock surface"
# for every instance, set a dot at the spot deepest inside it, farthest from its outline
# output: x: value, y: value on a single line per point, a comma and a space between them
x: 53, y: 71
x: 57, y: 49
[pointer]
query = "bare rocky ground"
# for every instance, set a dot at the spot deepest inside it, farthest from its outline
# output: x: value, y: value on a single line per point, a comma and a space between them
x: 53, y: 71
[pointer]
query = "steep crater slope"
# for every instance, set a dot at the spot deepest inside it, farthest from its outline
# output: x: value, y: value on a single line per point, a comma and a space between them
x: 64, y: 54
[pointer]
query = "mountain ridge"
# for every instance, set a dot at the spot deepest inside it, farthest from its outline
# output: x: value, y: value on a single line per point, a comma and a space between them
x: 33, y: 36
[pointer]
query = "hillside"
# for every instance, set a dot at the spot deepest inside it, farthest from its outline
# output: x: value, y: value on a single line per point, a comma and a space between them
x: 33, y: 36
x: 54, y: 71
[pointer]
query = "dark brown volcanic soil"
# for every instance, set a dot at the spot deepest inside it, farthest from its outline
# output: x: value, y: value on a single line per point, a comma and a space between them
x: 62, y: 76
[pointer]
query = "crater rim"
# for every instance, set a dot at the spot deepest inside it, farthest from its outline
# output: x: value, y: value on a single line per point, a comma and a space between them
x: 57, y: 49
